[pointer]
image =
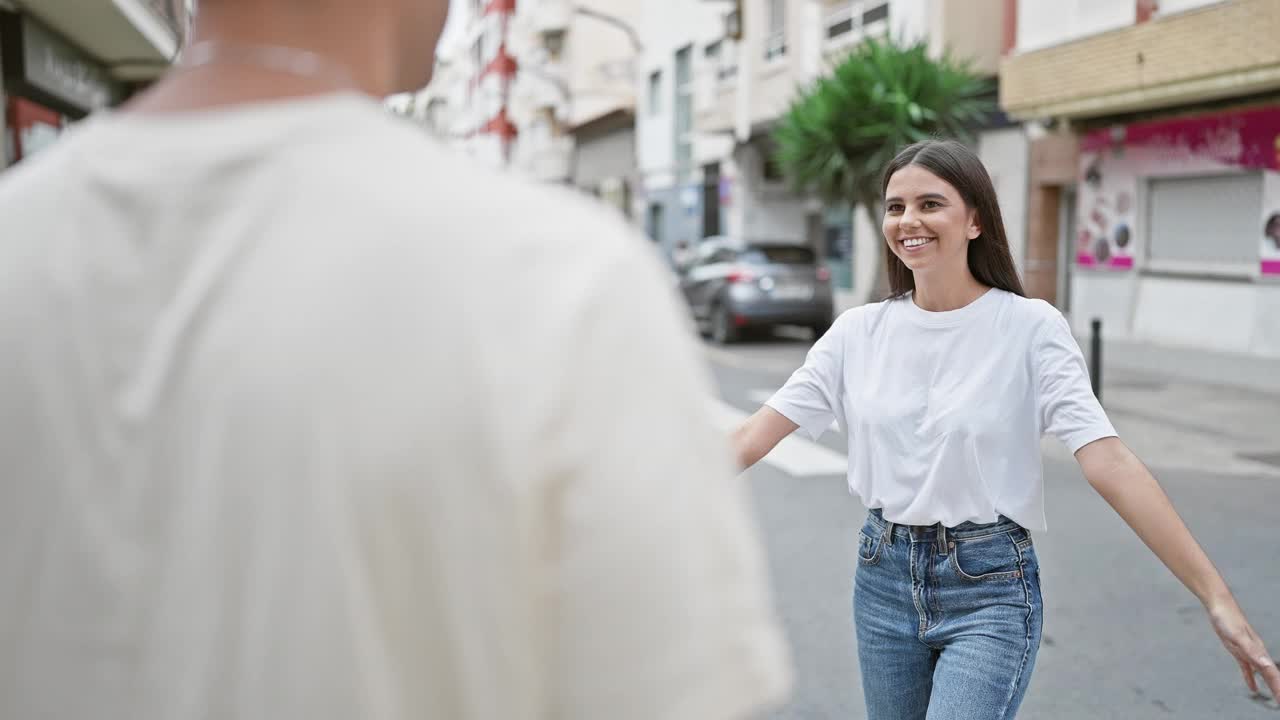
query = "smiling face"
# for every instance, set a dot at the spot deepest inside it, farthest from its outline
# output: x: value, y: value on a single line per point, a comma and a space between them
x: 926, y: 222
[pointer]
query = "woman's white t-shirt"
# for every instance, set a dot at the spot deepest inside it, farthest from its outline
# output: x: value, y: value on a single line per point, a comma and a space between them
x: 945, y: 410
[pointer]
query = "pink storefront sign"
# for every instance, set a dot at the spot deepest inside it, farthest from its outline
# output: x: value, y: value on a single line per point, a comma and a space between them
x: 1115, y: 263
x: 1116, y: 162
x: 1244, y: 139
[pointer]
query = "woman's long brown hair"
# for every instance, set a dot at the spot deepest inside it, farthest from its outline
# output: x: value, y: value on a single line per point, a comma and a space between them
x: 989, y: 258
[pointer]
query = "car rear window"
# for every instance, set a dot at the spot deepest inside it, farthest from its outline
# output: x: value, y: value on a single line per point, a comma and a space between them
x: 778, y: 255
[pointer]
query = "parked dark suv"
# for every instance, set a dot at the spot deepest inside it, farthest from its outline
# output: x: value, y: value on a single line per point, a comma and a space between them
x: 731, y: 286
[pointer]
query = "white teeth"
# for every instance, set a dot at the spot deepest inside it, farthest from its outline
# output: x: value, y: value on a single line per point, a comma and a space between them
x: 915, y: 242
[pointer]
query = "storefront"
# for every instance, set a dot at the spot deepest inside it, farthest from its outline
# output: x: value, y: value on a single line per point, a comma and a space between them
x: 1177, y: 231
x: 48, y: 83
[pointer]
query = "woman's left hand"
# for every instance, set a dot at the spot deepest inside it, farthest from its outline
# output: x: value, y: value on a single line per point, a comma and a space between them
x: 1246, y: 647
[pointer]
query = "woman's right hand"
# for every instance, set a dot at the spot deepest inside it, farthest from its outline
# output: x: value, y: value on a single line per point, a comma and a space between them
x: 1246, y: 647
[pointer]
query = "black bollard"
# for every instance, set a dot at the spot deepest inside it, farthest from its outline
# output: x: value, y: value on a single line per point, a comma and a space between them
x: 1095, y: 358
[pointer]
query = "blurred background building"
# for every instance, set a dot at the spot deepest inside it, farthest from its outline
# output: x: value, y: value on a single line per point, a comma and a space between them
x: 1153, y: 176
x: 62, y: 59
x: 748, y: 74
x: 543, y: 87
x: 665, y: 108
x: 1136, y: 152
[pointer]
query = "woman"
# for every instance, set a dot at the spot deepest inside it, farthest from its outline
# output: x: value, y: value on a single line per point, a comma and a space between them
x: 945, y: 390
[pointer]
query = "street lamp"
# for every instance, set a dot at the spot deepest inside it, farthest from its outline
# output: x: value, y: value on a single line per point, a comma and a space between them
x: 636, y: 45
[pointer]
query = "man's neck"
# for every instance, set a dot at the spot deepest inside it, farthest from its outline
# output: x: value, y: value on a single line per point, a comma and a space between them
x: 356, y: 59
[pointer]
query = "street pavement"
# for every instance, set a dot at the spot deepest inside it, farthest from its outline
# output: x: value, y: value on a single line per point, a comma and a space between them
x: 1122, y: 638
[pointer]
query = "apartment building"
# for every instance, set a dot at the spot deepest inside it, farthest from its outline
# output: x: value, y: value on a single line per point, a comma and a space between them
x: 545, y: 88
x: 1155, y: 176
x: 739, y: 64
x: 60, y: 60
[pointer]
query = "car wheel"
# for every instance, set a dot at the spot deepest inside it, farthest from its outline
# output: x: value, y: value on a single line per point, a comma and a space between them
x: 701, y: 325
x: 723, y: 331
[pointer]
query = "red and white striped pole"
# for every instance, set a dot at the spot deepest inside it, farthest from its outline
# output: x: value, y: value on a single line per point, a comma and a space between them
x: 505, y: 67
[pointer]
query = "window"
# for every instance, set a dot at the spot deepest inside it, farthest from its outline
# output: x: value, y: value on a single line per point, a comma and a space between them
x: 655, y: 92
x: 653, y: 222
x: 722, y: 58
x: 683, y: 69
x: 875, y: 14
x: 770, y: 170
x: 856, y: 19
x: 1206, y: 223
x: 722, y: 255
x: 775, y: 42
x: 684, y: 111
x: 711, y: 199
x: 778, y: 255
x: 837, y: 245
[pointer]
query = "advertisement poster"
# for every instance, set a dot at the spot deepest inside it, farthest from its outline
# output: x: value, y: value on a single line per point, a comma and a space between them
x: 1270, y: 252
x: 1107, y: 188
x: 1114, y: 161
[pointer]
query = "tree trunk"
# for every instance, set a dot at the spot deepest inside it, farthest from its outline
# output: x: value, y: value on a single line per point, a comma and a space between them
x: 880, y: 285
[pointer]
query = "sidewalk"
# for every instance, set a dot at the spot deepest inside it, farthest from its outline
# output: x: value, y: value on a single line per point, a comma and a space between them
x: 1248, y: 372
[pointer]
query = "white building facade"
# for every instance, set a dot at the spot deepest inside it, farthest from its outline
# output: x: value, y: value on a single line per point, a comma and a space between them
x: 61, y: 61
x: 724, y: 181
x: 523, y: 74
x: 1155, y: 192
x: 671, y: 154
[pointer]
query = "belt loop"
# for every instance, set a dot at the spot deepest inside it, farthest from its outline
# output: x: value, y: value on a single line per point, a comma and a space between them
x: 942, y: 538
x: 888, y: 531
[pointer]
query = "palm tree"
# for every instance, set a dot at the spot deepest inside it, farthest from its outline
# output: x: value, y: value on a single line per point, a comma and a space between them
x: 841, y: 131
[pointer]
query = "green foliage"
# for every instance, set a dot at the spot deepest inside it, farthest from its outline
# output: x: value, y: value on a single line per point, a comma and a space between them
x: 841, y: 132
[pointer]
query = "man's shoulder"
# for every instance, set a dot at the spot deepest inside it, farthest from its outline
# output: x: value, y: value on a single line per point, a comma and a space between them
x: 423, y: 184
x: 28, y: 181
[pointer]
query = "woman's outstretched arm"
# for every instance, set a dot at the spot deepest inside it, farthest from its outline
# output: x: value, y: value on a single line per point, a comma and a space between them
x: 758, y: 434
x: 1126, y: 484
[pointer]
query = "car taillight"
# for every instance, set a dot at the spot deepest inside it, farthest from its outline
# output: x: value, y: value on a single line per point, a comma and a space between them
x: 824, y: 274
x: 740, y: 275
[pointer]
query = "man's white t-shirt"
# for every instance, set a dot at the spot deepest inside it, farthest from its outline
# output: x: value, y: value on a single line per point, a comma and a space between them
x: 944, y: 411
x: 305, y: 417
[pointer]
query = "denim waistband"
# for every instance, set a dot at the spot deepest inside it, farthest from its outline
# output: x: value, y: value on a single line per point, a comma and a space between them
x: 963, y: 531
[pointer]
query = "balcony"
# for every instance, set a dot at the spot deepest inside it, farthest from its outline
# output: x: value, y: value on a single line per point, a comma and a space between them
x: 137, y: 39
x: 716, y: 109
x: 847, y: 22
x: 1219, y: 51
x: 547, y: 158
x: 541, y: 87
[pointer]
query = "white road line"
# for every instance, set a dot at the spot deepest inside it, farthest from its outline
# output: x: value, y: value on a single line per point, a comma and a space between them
x: 795, y: 455
x: 720, y: 356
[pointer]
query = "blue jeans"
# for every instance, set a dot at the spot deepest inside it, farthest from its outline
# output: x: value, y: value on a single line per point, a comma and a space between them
x: 948, y: 619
